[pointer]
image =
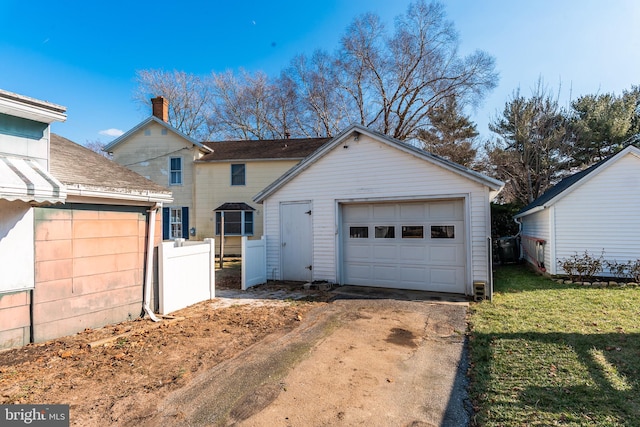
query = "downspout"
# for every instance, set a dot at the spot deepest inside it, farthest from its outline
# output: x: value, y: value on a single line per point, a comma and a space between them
x: 148, y: 279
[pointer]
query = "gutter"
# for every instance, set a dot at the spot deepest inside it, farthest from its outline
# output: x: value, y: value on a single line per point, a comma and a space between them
x: 148, y: 279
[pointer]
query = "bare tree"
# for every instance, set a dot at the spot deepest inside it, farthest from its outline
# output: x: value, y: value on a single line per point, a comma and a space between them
x: 97, y: 146
x: 188, y: 97
x: 388, y: 82
x: 396, y: 81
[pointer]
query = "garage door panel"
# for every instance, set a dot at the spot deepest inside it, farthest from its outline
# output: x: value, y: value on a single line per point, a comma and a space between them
x: 445, y: 255
x: 411, y: 211
x: 384, y: 212
x: 359, y: 273
x: 434, y: 261
x: 385, y: 272
x: 385, y: 252
x: 413, y: 253
x: 359, y: 252
x: 356, y: 212
x: 445, y: 210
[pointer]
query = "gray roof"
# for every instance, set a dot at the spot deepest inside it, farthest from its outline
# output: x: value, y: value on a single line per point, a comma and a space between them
x: 234, y: 206
x: 262, y: 149
x: 569, y: 182
x: 493, y: 184
x: 78, y: 167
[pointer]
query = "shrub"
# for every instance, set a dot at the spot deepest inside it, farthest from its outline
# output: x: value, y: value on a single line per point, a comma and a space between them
x: 583, y: 267
x: 629, y: 270
x: 619, y: 270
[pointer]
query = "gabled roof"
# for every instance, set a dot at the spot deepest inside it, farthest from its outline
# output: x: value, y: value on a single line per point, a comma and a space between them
x: 86, y: 173
x: 109, y: 147
x: 493, y: 184
x: 570, y: 183
x: 262, y: 149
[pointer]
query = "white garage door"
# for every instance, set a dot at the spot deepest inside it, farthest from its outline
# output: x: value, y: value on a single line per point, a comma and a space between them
x: 416, y: 245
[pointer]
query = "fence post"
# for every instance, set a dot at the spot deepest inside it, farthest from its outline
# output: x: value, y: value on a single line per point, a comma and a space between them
x: 212, y: 266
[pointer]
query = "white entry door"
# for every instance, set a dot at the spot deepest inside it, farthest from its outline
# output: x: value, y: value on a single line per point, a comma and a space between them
x: 410, y: 245
x: 297, y: 242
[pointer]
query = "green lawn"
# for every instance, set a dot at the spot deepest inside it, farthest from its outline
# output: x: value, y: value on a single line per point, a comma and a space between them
x: 545, y: 354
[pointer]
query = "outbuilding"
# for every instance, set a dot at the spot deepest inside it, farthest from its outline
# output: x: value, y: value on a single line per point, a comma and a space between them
x: 366, y: 209
x: 594, y: 210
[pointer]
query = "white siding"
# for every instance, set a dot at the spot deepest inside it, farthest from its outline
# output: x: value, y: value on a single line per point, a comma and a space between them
x: 602, y: 213
x: 536, y: 227
x: 369, y: 170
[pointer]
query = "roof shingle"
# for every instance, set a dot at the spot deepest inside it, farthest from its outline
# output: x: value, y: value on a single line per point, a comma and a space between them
x: 297, y: 148
x: 73, y: 164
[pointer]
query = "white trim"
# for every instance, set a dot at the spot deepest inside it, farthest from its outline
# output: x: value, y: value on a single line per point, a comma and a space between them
x: 632, y: 150
x: 551, y: 242
x: 25, y: 107
x: 78, y: 191
x: 465, y: 197
x: 173, y: 184
x: 357, y: 130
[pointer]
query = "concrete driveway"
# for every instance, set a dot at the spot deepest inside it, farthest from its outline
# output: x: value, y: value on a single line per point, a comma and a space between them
x: 363, y: 359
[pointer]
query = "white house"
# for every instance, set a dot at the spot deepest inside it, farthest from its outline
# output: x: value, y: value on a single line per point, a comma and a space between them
x: 593, y: 210
x: 366, y: 209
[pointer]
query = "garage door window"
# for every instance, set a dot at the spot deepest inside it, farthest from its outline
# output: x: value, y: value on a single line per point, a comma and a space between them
x: 442, y: 232
x: 385, y: 232
x: 412, y: 232
x: 359, y: 232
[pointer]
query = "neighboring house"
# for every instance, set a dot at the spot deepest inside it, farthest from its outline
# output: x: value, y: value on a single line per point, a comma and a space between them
x: 366, y: 209
x: 208, y: 179
x: 163, y: 154
x: 75, y: 230
x: 593, y: 210
x: 229, y: 177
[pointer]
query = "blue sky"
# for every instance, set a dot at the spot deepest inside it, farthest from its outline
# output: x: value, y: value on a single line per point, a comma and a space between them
x: 84, y: 54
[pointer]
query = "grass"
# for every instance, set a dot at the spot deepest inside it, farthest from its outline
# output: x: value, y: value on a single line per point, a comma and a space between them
x: 545, y: 354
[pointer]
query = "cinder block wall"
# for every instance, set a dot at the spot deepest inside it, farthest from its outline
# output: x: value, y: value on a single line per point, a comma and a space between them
x: 14, y: 312
x: 89, y: 269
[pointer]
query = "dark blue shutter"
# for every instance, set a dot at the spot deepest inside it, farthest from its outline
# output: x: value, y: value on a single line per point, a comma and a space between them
x: 165, y: 224
x: 185, y: 222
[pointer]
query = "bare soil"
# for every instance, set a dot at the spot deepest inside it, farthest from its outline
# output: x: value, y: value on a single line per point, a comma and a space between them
x: 114, y: 374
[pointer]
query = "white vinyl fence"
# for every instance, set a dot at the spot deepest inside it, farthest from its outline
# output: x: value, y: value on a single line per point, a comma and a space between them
x: 187, y: 274
x: 254, y: 262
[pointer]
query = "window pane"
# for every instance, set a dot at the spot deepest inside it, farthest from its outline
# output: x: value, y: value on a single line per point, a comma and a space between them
x: 248, y: 223
x: 385, y: 232
x: 412, y: 231
x: 442, y: 232
x: 359, y: 232
x: 175, y: 165
x: 238, y: 174
x: 175, y: 218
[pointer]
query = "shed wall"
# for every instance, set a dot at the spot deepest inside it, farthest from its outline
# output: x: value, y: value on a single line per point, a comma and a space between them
x: 369, y: 170
x: 602, y: 214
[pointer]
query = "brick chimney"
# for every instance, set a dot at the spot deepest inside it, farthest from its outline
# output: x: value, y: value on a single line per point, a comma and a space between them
x: 160, y: 108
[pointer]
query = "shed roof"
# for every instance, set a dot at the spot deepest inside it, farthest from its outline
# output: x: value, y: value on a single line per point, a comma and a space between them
x: 356, y: 130
x: 262, y: 149
x: 567, y: 184
x: 84, y: 172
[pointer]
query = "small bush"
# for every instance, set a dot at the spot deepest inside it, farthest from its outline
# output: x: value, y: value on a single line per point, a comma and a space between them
x: 583, y: 267
x: 629, y: 270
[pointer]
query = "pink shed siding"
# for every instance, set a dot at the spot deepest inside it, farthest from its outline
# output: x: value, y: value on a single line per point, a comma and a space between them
x: 89, y: 267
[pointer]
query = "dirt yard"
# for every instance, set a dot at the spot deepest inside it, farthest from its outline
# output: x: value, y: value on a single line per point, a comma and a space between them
x: 112, y: 375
